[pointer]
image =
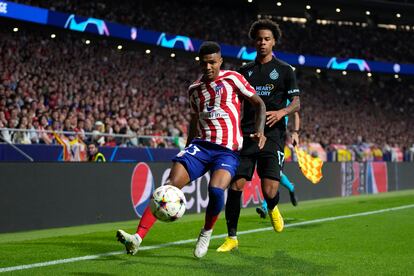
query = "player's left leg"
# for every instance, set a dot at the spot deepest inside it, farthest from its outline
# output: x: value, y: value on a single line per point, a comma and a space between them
x: 262, y: 211
x: 223, y: 169
x: 284, y: 181
x: 218, y: 183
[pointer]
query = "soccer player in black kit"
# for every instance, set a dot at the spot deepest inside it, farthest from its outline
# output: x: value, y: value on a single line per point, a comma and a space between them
x: 275, y: 82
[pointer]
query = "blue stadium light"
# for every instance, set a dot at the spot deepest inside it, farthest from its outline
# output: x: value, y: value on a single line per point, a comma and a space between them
x: 396, y: 68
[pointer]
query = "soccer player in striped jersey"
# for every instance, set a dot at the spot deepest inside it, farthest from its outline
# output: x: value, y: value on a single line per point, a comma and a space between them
x: 213, y: 143
x: 275, y: 82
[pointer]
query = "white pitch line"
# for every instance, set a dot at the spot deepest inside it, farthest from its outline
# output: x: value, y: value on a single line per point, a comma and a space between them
x: 97, y: 256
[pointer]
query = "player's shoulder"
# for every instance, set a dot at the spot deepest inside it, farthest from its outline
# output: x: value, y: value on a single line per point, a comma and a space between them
x: 246, y: 67
x: 282, y: 64
x: 195, y: 84
x: 230, y: 74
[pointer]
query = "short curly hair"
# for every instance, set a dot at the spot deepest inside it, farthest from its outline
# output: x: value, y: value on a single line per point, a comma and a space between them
x: 208, y: 48
x: 265, y: 24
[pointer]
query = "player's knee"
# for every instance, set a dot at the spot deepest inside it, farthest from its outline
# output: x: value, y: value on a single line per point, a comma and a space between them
x: 238, y: 185
x: 269, y: 192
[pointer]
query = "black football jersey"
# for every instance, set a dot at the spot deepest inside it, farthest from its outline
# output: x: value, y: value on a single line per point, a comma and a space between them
x: 275, y: 83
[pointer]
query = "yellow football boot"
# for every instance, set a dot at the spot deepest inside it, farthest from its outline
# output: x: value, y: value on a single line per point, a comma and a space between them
x: 276, y: 219
x: 228, y: 245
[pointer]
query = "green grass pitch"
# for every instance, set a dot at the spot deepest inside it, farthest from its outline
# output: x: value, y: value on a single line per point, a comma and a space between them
x: 379, y: 243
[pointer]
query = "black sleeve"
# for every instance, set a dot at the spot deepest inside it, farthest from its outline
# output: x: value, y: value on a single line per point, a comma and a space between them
x: 291, y: 84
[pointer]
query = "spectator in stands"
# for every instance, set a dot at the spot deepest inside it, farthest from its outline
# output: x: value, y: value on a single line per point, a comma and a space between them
x: 93, y: 153
x: 22, y: 137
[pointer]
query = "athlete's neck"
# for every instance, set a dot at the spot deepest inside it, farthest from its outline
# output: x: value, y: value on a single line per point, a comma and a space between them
x: 264, y: 59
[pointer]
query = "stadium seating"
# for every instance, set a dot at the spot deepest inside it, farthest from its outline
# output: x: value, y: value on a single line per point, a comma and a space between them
x: 191, y: 20
x: 63, y: 84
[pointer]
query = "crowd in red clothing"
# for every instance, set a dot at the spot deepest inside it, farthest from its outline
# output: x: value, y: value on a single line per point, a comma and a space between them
x: 64, y: 84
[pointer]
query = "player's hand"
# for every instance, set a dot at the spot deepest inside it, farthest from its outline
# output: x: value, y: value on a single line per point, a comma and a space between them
x: 274, y: 116
x: 259, y: 138
x: 295, y: 139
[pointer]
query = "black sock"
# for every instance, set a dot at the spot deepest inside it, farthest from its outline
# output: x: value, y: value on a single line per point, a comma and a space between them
x: 272, y: 202
x: 232, y: 211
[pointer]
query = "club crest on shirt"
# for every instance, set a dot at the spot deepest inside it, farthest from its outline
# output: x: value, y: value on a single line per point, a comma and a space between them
x: 219, y: 89
x: 274, y: 75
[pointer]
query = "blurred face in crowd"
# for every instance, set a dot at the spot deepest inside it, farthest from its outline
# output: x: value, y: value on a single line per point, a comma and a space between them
x: 43, y: 121
x: 88, y: 124
x: 81, y: 124
x: 264, y: 42
x: 56, y: 125
x: 210, y: 65
x: 23, y: 122
x: 92, y: 149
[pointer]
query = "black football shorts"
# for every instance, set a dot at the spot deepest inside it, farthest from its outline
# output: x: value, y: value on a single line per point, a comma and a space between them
x: 269, y: 160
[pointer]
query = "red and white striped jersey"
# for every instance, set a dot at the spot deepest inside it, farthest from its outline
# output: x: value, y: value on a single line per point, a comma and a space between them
x: 218, y: 106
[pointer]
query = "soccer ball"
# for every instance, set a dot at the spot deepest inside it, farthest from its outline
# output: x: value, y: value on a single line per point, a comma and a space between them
x: 168, y: 203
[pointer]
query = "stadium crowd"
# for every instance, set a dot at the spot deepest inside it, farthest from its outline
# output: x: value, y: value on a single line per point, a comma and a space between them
x: 63, y: 84
x: 191, y: 20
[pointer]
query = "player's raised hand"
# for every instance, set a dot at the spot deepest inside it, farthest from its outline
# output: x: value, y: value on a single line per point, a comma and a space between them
x: 272, y: 117
x: 260, y: 138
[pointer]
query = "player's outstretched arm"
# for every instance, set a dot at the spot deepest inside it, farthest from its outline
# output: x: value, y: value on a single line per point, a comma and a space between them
x: 260, y: 107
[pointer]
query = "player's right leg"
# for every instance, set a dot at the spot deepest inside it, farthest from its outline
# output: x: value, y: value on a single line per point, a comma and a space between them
x: 271, y: 195
x: 269, y: 166
x: 233, y: 204
x: 178, y: 177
